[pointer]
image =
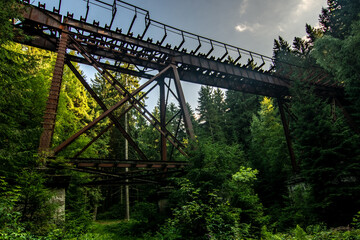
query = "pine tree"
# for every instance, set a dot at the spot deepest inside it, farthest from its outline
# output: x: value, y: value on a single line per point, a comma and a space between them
x: 211, y: 113
x: 24, y: 77
x: 268, y: 154
x: 240, y: 108
x: 336, y: 19
x: 328, y: 153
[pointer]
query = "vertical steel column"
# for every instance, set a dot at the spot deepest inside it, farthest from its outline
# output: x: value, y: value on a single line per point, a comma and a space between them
x: 188, y: 124
x: 53, y: 98
x: 287, y: 136
x: 348, y: 117
x: 163, y: 150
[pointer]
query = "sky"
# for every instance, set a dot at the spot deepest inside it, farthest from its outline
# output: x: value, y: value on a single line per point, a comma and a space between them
x: 248, y: 24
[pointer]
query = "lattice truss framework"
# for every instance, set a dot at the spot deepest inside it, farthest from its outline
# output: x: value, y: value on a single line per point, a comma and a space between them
x: 106, y: 49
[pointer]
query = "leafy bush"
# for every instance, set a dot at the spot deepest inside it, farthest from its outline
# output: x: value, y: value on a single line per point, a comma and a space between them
x: 204, y: 217
x: 316, y: 232
x: 356, y: 220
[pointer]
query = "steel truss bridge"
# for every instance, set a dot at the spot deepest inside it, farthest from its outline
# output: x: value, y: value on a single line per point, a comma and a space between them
x: 108, y: 48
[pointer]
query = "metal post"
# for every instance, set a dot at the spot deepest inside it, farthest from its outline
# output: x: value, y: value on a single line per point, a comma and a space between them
x: 348, y: 117
x: 163, y: 149
x: 287, y: 136
x: 53, y: 98
x: 127, y: 193
x: 188, y: 124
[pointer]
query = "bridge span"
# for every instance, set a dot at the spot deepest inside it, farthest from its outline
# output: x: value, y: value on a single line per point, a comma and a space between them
x: 108, y: 48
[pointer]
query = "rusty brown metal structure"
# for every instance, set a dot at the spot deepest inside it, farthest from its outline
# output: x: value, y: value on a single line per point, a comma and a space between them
x: 106, y: 47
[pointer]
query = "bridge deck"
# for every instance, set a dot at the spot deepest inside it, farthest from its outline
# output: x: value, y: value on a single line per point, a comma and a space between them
x: 105, y: 44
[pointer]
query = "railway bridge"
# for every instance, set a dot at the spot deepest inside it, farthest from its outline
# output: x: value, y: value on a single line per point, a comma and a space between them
x: 106, y: 48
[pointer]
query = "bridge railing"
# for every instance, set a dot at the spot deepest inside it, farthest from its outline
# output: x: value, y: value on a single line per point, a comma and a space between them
x: 136, y: 22
x: 140, y: 25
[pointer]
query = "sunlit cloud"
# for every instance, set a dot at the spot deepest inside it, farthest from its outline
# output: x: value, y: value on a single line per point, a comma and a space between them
x: 304, y: 6
x: 241, y: 27
x: 247, y: 27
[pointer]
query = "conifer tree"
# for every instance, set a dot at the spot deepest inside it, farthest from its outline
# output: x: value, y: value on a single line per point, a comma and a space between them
x: 240, y: 108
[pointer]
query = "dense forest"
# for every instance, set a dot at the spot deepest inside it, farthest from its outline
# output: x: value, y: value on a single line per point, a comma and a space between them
x: 240, y: 183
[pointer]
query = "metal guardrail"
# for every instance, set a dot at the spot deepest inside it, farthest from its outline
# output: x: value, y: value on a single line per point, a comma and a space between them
x: 200, y: 45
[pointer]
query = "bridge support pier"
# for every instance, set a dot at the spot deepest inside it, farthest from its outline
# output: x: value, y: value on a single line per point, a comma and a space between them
x: 163, y: 200
x: 57, y: 185
x: 58, y: 199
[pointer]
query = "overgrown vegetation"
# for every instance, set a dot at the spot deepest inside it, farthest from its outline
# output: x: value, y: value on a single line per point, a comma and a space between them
x: 240, y: 183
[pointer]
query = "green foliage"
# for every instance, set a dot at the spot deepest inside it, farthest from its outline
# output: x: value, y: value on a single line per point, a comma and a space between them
x: 227, y: 208
x: 23, y: 214
x: 341, y: 58
x: 245, y: 175
x: 9, y: 217
x: 336, y: 19
x: 203, y: 217
x: 240, y: 108
x: 24, y: 77
x: 356, y: 220
x: 268, y: 153
x: 314, y: 232
x: 329, y: 156
x: 325, y: 147
x: 214, y: 164
x: 9, y: 10
x: 147, y: 215
x: 211, y: 113
x: 80, y: 203
x: 36, y: 207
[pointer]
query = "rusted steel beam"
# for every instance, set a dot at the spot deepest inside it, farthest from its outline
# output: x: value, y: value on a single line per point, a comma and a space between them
x: 187, y: 121
x: 163, y: 149
x: 106, y: 163
x: 53, y: 98
x: 94, y: 140
x: 110, y: 125
x: 133, y: 101
x: 348, y: 117
x: 294, y: 165
x: 147, y: 175
x: 106, y: 113
x: 104, y: 108
x: 182, y: 58
x: 110, y: 67
x: 227, y: 81
x: 139, y: 179
x: 43, y: 17
x: 114, y: 183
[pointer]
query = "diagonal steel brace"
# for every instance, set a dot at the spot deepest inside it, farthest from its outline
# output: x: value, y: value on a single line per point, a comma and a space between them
x: 106, y: 113
x: 123, y: 91
x: 104, y: 108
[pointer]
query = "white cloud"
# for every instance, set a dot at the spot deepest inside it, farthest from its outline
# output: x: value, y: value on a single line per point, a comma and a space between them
x: 244, y: 6
x: 242, y: 27
x: 304, y: 6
